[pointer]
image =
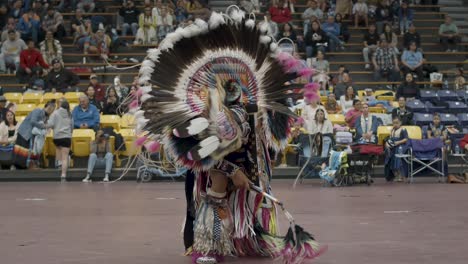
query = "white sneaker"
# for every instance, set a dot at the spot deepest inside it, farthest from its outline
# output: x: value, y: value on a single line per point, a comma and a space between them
x: 106, y: 179
x: 448, y: 50
x: 86, y: 180
x: 367, y: 66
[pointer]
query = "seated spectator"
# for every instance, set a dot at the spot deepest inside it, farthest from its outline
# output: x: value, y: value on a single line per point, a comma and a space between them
x: 348, y: 99
x: 323, y: 126
x: 122, y: 90
x: 360, y: 12
x: 99, y: 89
x: 408, y: 88
x: 53, y: 21
x: 31, y: 133
x: 332, y: 105
x: 98, y: 43
x: 436, y: 129
x: 339, y: 77
x: 385, y: 63
x: 383, y: 15
x: 344, y: 7
x: 60, y: 79
x: 51, y: 48
x: 402, y: 113
x: 247, y: 6
x: 3, y: 109
x: 194, y: 7
x: 272, y: 27
x: 464, y: 147
x: 165, y: 24
x: 394, y: 167
x: 112, y: 102
x: 449, y: 35
x: 371, y: 101
x: 86, y: 6
x: 412, y: 36
x: 16, y: 10
x: 11, y: 50
x: 371, y: 43
x: 366, y: 126
x: 321, y: 70
x: 405, y: 16
x: 11, y: 25
x: 390, y: 37
x: 333, y: 33
x: 340, y: 87
x: 310, y: 14
x: 146, y: 33
x: 460, y: 79
x: 85, y: 115
x: 412, y: 61
x: 39, y: 8
x: 180, y: 12
x: 29, y: 26
x: 288, y: 32
x: 344, y: 31
x: 290, y: 5
x: 80, y: 28
x: 3, y: 15
x: 31, y: 64
x: 100, y: 156
x: 353, y: 114
x: 308, y: 113
x: 279, y: 13
x: 8, y: 129
x: 61, y: 123
x: 91, y: 94
x: 130, y: 14
x: 315, y: 39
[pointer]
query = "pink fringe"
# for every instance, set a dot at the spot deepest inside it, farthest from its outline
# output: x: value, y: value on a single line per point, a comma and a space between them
x: 300, y: 121
x: 312, y: 87
x: 133, y: 104
x: 291, y: 64
x: 141, y: 140
x: 283, y: 56
x: 152, y: 146
x: 305, y: 72
x: 311, y: 97
x: 139, y: 92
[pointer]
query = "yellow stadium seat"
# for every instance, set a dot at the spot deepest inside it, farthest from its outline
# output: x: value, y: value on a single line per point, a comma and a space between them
x: 414, y: 132
x: 24, y: 109
x: 129, y: 137
x: 32, y: 98
x: 110, y: 121
x: 72, y: 106
x: 49, y: 148
x: 385, y: 98
x: 323, y: 99
x: 73, y: 97
x: 127, y: 121
x: 20, y: 119
x: 384, y: 93
x: 50, y: 96
x: 337, y: 119
x: 14, y: 97
x: 361, y: 94
x: 395, y: 104
x: 81, y: 142
x: 377, y: 110
x: 383, y: 132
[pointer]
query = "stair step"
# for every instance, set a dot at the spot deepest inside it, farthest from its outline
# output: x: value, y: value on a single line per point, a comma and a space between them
x: 451, y: 2
x: 454, y: 9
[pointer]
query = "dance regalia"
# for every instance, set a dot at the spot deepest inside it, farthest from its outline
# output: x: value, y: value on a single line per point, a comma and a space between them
x: 214, y: 95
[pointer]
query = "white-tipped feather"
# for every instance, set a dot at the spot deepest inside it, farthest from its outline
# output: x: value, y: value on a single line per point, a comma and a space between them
x: 264, y: 27
x: 237, y: 15
x: 147, y: 63
x: 265, y: 39
x: 139, y: 114
x: 216, y: 20
x: 208, y: 146
x: 144, y: 78
x: 197, y: 125
x: 145, y: 97
x: 153, y: 54
x: 166, y: 45
x: 250, y: 23
x: 146, y: 71
x: 146, y: 89
x: 273, y: 47
x: 202, y: 25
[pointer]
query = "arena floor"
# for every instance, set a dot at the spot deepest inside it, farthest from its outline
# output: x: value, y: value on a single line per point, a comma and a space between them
x: 125, y: 222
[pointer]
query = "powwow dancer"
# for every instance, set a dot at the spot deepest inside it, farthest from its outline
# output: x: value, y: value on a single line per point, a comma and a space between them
x: 214, y: 95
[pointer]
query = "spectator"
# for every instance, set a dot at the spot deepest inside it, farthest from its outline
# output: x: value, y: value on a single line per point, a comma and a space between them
x: 360, y: 12
x: 8, y: 129
x: 11, y: 25
x: 459, y: 79
x: 16, y: 10
x: 372, y: 101
x: 394, y: 167
x: 408, y: 88
x: 51, y: 48
x: 61, y: 122
x: 332, y: 105
x: 344, y: 31
x: 91, y: 94
x: 310, y: 14
x: 323, y: 126
x: 146, y: 34
x: 390, y: 37
x: 40, y: 8
x: 436, y: 129
x: 130, y: 14
x: 85, y: 115
x: 100, y: 90
x: 449, y: 35
x: 272, y: 27
x: 31, y: 64
x: 112, y: 102
x: 412, y: 61
x: 60, y: 79
x: 385, y: 63
x: 53, y: 21
x: 30, y: 25
x: 347, y: 100
x: 308, y: 114
x: 3, y: 109
x: 333, y: 33
x: 315, y: 40
x: 279, y: 13
x: 339, y: 77
x: 405, y: 15
x: 180, y: 12
x: 322, y: 69
x: 80, y: 27
x: 121, y: 90
x: 165, y: 24
x: 402, y: 113
x: 3, y: 15
x: 100, y: 156
x: 86, y: 6
x: 11, y: 50
x: 340, y: 88
x: 288, y: 32
x: 371, y: 42
x: 353, y: 114
x: 344, y: 7
x: 383, y: 15
x: 30, y: 133
x: 366, y: 126
x: 412, y: 36
x: 290, y: 5
x: 158, y: 7
x: 194, y: 7
x: 98, y: 44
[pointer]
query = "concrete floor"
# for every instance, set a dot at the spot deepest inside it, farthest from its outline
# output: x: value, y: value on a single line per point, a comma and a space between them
x: 126, y: 222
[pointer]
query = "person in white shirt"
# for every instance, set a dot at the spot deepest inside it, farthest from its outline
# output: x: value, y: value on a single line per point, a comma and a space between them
x: 325, y: 127
x: 360, y: 11
x: 346, y: 101
x: 308, y: 114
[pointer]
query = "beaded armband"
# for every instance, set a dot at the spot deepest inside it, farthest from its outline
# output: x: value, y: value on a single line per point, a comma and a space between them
x: 227, y: 168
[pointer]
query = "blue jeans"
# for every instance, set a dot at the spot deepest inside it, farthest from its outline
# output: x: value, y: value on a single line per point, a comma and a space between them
x: 95, y: 162
x: 126, y: 27
x: 404, y: 25
x: 334, y: 42
x: 311, y: 51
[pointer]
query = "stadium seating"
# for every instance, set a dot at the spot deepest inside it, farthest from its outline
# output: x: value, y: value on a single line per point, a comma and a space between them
x: 110, y: 121
x: 24, y: 109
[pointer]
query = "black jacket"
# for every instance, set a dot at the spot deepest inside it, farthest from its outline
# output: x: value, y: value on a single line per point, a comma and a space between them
x: 130, y: 15
x: 407, y: 90
x: 405, y: 116
x: 408, y: 38
x: 309, y: 38
x: 62, y: 80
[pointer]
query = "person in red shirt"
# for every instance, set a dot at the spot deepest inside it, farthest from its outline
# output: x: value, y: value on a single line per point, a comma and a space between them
x: 31, y: 63
x: 99, y: 90
x: 279, y: 13
x: 353, y: 114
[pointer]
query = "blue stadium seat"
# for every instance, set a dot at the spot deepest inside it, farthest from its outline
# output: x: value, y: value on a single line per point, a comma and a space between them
x: 463, y: 119
x: 463, y: 94
x: 421, y: 119
x: 448, y: 119
x: 447, y: 95
x: 416, y: 106
x: 435, y: 108
x: 456, y: 107
x: 428, y: 96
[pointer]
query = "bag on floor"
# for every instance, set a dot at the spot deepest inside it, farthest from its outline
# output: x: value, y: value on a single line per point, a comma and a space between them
x: 344, y: 137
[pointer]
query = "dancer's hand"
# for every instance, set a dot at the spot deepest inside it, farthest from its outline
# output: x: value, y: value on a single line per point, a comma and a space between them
x: 240, y: 180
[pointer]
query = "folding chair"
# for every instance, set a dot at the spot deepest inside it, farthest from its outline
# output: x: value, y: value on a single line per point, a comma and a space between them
x: 313, y: 157
x: 428, y: 154
x: 416, y: 106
